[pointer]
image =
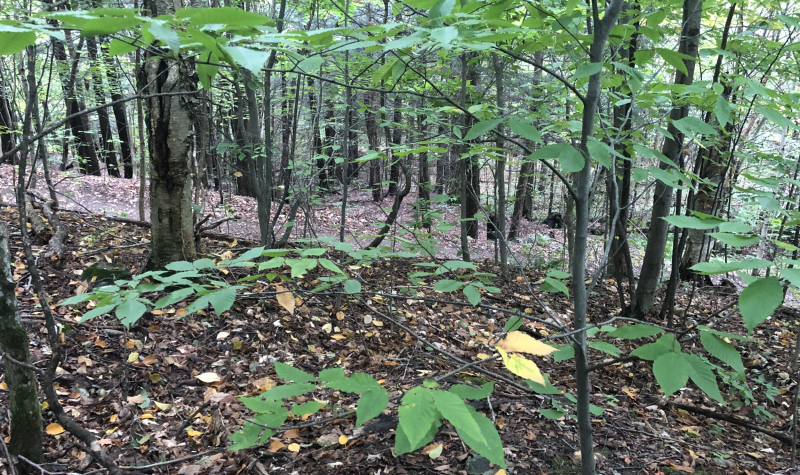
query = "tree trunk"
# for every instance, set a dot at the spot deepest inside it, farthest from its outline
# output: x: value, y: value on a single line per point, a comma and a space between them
x: 6, y: 122
x: 519, y: 198
x: 23, y: 405
x: 120, y: 115
x: 108, y: 151
x: 662, y: 194
x: 500, y: 170
x: 473, y: 167
x: 397, y: 134
x: 371, y: 120
x: 169, y: 122
x: 442, y: 167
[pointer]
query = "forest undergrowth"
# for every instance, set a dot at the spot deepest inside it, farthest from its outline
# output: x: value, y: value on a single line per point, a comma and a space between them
x: 166, y: 390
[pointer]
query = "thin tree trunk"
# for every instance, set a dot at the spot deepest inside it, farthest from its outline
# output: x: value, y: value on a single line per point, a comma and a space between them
x: 371, y: 120
x: 108, y: 151
x: 662, y: 194
x: 120, y: 114
x: 397, y: 134
x: 500, y: 170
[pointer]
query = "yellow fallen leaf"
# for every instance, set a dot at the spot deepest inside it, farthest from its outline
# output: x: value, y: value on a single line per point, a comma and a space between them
x: 163, y: 407
x: 433, y: 451
x: 208, y: 377
x: 294, y: 448
x: 3, y: 386
x: 148, y: 416
x: 338, y: 337
x: 483, y: 356
x: 150, y: 360
x: 285, y: 299
x: 522, y: 367
x: 343, y: 439
x: 193, y: 433
x: 54, y: 429
x: 133, y: 357
x: 276, y: 445
x: 113, y: 418
x: 521, y: 343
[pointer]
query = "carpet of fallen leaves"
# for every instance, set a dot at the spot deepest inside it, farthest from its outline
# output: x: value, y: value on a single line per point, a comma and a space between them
x: 165, y: 391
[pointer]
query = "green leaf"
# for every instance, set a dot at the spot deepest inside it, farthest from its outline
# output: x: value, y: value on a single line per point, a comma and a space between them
x: 759, y: 299
x: 222, y: 300
x: 290, y: 373
x: 328, y: 264
x: 547, y: 388
x: 118, y: 47
x: 703, y: 377
x: 310, y: 64
x: 279, y: 393
x: 481, y: 128
x: 605, y: 347
x: 180, y: 266
x: 558, y: 274
x: 403, y: 446
x: 251, y: 435
x: 791, y: 274
x: 174, y: 297
x: 352, y: 286
x: 776, y: 117
x: 445, y: 35
x: 130, y: 311
x: 525, y: 130
x: 251, y: 254
x: 473, y: 294
x: 417, y: 414
x: 723, y: 111
x: 513, y: 323
x: 447, y: 285
x: 371, y: 404
x: 691, y: 126
x: 468, y: 392
x: 309, y: 407
x: 442, y: 8
x: 652, y: 351
x: 552, y: 285
x: 671, y: 371
x: 564, y: 353
x: 96, y: 312
x: 301, y: 266
x: 722, y: 350
x: 250, y: 59
x: 735, y: 240
x: 452, y: 408
x: 585, y: 70
x: 383, y: 71
x: 486, y: 442
x: 552, y: 414
x: 229, y: 16
x: 693, y: 222
x: 570, y: 159
x: 259, y: 405
x: 632, y: 332
x: 674, y: 59
x: 201, y: 264
x: 161, y: 31
x: 719, y: 267
x: 14, y: 39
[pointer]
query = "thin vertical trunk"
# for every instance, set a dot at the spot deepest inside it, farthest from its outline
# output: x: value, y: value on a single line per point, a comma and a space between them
x: 120, y: 114
x: 520, y: 194
x: 500, y: 170
x: 462, y: 165
x: 662, y: 194
x: 441, y: 167
x: 371, y: 120
x: 6, y: 123
x: 397, y: 134
x: 107, y: 150
x: 473, y: 169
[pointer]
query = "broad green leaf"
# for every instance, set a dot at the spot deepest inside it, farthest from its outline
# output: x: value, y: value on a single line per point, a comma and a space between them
x: 719, y: 267
x: 290, y: 373
x: 651, y: 351
x: 648, y: 152
x: 442, y: 8
x: 251, y: 254
x: 180, y: 266
x: 691, y: 126
x: 222, y: 300
x: 605, y: 347
x: 473, y: 294
x: 570, y: 159
x: 452, y: 408
x: 371, y: 404
x: 552, y: 285
x: 247, y: 58
x: 693, y: 222
x: 599, y: 152
x: 546, y: 388
x: 96, y: 312
x: 161, y: 31
x: 759, y: 299
x: 735, y: 240
x: 722, y: 350
x: 251, y: 434
x: 703, y: 377
x: 481, y: 128
x: 674, y: 59
x: 792, y: 274
x: 723, y: 111
x: 129, y: 311
x: 118, y: 47
x: 671, y: 371
x: 776, y: 118
x: 468, y: 392
x: 201, y: 264
x: 301, y: 266
x: 585, y: 70
x: 230, y: 16
x: 486, y: 441
x: 310, y: 64
x: 174, y: 297
x: 447, y: 285
x: 328, y: 264
x: 417, y: 414
x: 564, y: 353
x: 259, y: 405
x: 525, y: 130
x: 309, y: 407
x: 279, y: 393
x: 352, y: 286
x: 632, y: 332
x: 402, y: 444
x: 552, y: 414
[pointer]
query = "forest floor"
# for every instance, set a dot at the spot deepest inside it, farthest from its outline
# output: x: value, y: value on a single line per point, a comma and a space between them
x: 149, y: 407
